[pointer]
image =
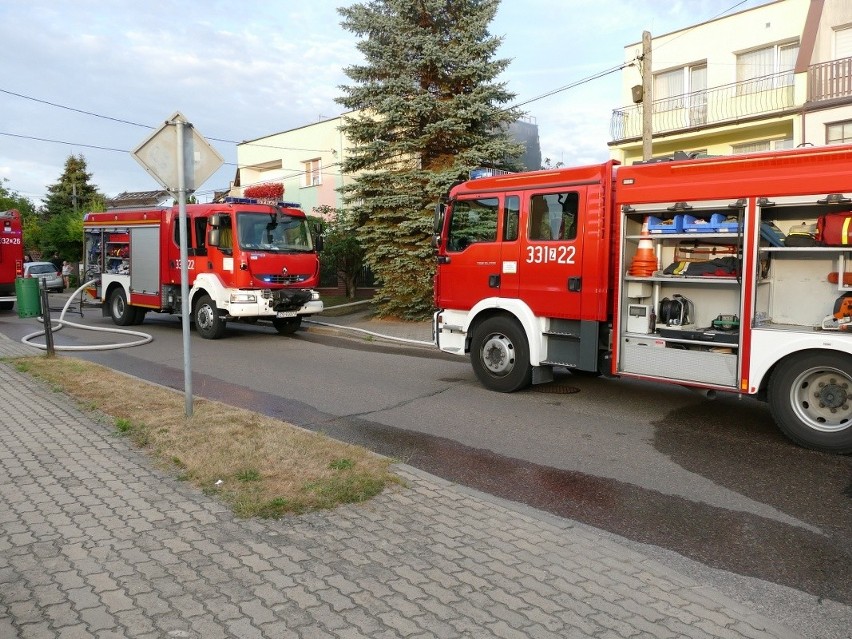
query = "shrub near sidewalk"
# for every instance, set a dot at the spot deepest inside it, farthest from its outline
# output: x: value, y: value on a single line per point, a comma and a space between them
x: 260, y: 466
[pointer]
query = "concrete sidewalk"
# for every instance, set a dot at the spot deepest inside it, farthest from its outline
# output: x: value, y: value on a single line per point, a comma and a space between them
x: 96, y: 542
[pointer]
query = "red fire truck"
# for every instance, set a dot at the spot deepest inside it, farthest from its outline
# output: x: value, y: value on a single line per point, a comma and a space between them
x: 11, y: 256
x: 702, y: 272
x: 246, y: 261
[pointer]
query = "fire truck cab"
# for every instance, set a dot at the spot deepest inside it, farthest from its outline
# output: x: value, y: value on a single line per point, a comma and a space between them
x: 246, y: 261
x: 11, y: 257
x: 678, y: 272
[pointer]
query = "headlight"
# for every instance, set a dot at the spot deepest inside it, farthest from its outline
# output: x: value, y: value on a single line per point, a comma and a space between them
x: 243, y: 298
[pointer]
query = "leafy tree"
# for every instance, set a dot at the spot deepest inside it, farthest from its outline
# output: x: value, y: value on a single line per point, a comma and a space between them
x: 426, y: 111
x: 341, y: 245
x: 61, y: 224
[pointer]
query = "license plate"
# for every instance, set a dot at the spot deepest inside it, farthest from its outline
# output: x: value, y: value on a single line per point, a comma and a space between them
x: 285, y: 314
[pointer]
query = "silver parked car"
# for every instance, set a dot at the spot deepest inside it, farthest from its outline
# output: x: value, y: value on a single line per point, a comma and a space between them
x: 50, y: 277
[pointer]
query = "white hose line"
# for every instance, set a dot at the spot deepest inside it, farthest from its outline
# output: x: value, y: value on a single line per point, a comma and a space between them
x: 383, y: 336
x: 61, y: 322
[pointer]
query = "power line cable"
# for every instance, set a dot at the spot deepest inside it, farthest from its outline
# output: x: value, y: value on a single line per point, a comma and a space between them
x: 145, y: 126
x: 294, y: 171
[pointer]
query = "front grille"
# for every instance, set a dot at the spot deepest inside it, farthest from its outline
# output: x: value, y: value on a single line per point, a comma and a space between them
x: 277, y: 278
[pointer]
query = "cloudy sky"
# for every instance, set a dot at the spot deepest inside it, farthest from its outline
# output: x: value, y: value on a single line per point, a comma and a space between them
x: 95, y: 77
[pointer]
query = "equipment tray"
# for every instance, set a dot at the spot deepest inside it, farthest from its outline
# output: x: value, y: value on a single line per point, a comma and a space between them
x: 701, y: 335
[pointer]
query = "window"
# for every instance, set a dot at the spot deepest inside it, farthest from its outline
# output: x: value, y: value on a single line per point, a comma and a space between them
x: 843, y: 43
x: 510, y: 218
x: 750, y: 147
x: 313, y: 174
x: 671, y: 87
x: 838, y: 132
x: 473, y: 221
x: 188, y: 233
x: 553, y: 216
x: 766, y: 68
x: 759, y: 146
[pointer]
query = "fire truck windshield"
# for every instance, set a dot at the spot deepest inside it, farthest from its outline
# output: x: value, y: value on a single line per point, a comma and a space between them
x: 274, y: 232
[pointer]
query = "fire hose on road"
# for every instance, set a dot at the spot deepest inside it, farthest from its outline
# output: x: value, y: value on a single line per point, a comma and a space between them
x: 144, y: 338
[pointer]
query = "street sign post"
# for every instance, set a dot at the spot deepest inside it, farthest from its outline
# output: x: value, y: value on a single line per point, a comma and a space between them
x: 181, y: 163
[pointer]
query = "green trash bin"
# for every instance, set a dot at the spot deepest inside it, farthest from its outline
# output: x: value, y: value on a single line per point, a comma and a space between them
x: 29, y: 296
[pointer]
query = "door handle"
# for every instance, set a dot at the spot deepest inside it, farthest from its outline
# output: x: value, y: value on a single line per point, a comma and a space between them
x: 443, y: 259
x: 575, y: 283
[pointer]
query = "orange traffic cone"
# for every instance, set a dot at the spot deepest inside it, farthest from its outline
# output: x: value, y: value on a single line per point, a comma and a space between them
x: 834, y: 278
x: 645, y: 261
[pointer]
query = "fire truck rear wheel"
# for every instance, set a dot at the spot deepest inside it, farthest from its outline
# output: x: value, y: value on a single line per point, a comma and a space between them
x: 121, y: 312
x: 500, y: 355
x: 287, y: 325
x: 208, y: 322
x: 810, y: 397
x: 6, y: 306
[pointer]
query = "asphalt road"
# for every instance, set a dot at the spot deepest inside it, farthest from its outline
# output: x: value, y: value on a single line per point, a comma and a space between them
x: 711, y: 486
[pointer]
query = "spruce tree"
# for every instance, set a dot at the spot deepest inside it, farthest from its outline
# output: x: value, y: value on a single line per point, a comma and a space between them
x: 73, y: 193
x: 61, y: 223
x: 426, y: 110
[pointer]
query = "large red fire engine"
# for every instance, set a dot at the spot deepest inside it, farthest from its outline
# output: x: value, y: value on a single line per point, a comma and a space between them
x: 246, y: 261
x: 704, y: 273
x: 11, y: 256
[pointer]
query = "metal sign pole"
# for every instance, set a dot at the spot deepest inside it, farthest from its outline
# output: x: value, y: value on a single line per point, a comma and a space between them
x: 184, y: 262
x: 196, y: 161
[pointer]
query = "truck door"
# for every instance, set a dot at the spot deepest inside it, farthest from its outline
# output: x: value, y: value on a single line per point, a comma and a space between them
x: 470, y: 263
x: 551, y: 251
x: 173, y: 243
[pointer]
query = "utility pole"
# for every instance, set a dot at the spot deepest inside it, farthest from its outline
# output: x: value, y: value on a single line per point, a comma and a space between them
x: 647, y: 97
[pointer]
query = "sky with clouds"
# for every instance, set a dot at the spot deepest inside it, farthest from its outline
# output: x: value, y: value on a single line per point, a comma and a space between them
x: 95, y: 77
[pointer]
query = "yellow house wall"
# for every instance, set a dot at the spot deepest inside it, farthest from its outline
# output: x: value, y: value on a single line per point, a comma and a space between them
x: 292, y: 149
x: 717, y: 43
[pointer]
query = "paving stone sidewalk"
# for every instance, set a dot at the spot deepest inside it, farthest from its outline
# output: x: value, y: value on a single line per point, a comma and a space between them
x: 96, y: 542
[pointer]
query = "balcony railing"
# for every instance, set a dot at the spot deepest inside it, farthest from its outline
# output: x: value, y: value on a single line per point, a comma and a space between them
x: 725, y: 104
x: 830, y: 80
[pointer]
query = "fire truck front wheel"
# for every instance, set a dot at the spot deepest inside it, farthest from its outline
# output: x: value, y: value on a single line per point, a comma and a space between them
x: 208, y: 322
x: 810, y: 396
x: 500, y: 355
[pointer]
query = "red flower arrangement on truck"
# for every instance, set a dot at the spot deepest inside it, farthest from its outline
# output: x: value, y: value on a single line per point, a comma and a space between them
x: 265, y: 191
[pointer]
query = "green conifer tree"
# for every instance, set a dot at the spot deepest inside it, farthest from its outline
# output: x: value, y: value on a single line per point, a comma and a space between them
x: 61, y: 225
x: 73, y: 193
x: 426, y: 110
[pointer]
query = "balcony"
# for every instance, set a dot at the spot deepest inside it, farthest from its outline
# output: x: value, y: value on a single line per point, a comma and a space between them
x: 830, y: 80
x: 766, y: 95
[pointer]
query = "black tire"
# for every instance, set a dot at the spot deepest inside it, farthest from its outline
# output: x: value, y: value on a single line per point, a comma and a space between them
x: 286, y: 325
x: 140, y: 315
x: 810, y: 397
x: 208, y: 322
x: 7, y: 306
x: 121, y: 312
x: 500, y: 355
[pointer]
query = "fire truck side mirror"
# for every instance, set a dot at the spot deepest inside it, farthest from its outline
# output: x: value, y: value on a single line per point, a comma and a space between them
x: 214, y: 237
x: 438, y: 221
